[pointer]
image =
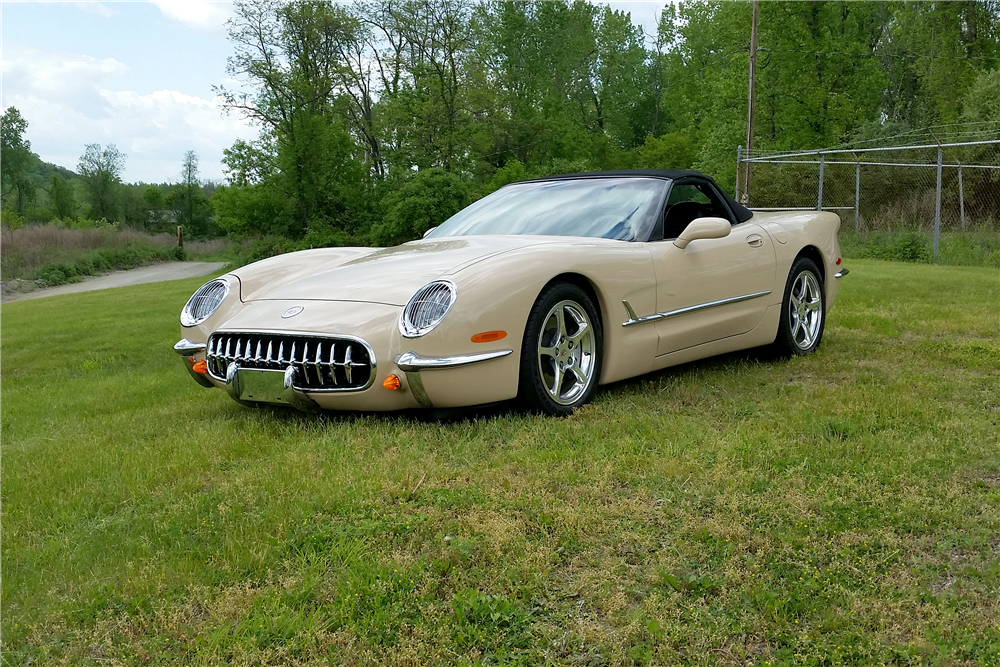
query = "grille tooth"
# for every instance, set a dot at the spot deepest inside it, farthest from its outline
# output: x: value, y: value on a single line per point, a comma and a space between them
x: 330, y: 364
x: 317, y: 369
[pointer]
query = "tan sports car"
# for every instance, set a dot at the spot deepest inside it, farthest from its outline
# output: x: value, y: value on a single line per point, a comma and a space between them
x: 540, y: 291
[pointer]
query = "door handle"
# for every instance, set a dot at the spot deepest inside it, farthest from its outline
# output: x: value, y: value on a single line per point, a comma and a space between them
x: 755, y: 240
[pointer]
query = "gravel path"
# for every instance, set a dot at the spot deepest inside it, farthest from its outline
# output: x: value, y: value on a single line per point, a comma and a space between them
x: 146, y: 274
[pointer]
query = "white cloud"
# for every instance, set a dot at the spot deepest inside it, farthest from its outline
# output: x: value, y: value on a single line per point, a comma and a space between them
x: 70, y: 101
x: 88, y: 6
x: 93, y: 8
x: 200, y: 14
x: 48, y: 76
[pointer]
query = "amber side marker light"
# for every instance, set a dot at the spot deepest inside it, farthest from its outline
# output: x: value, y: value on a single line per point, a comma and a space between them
x: 488, y: 336
x: 200, y: 366
x: 392, y: 382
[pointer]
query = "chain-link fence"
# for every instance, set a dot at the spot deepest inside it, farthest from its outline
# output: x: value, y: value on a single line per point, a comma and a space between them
x: 935, y: 202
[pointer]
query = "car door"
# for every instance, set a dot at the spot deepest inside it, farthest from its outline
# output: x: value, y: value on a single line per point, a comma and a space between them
x: 713, y: 288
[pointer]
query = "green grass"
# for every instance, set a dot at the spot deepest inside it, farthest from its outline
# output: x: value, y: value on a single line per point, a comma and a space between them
x: 838, y: 509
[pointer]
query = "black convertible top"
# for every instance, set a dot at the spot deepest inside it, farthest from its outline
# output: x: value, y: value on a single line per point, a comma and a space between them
x: 741, y: 212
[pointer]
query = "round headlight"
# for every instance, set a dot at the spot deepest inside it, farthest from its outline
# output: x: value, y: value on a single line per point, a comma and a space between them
x: 204, y: 302
x: 427, y: 308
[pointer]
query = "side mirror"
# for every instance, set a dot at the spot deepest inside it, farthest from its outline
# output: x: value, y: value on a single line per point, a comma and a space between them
x: 703, y: 228
x: 429, y: 231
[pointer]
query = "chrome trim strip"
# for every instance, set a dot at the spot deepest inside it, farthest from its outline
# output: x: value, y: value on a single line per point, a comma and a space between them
x: 840, y: 274
x: 410, y: 362
x: 187, y: 348
x: 311, y: 334
x: 632, y: 319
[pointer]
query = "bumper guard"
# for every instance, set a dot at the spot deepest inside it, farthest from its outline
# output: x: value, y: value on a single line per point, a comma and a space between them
x: 411, y: 364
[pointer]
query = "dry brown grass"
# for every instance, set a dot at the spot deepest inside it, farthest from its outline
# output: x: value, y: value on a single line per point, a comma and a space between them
x: 23, y: 251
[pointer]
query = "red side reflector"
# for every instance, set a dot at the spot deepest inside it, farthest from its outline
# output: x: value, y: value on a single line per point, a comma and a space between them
x: 838, y: 261
x: 488, y: 336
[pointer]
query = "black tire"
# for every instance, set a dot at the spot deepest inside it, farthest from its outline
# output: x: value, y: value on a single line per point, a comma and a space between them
x: 803, y: 310
x: 571, y: 356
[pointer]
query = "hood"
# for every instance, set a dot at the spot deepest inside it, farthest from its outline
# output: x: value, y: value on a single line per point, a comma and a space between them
x: 386, y: 275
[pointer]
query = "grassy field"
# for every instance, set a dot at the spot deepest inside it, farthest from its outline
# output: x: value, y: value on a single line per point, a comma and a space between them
x: 838, y: 509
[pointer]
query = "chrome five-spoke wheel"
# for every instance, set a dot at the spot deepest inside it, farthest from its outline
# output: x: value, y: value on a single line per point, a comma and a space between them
x: 561, y: 352
x: 803, y: 310
x: 566, y: 352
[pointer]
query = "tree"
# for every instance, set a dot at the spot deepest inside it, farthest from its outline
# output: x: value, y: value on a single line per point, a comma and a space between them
x: 194, y: 206
x: 289, y: 57
x: 15, y: 157
x: 63, y: 201
x: 101, y: 170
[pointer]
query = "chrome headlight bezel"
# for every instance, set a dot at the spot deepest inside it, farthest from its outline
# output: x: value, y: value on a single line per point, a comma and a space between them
x: 426, y: 324
x: 190, y: 317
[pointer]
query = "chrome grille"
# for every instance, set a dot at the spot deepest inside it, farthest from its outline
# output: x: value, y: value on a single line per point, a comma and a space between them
x: 322, y: 363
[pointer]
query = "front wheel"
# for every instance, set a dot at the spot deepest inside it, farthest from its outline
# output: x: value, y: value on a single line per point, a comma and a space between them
x: 562, y: 350
x: 803, y: 310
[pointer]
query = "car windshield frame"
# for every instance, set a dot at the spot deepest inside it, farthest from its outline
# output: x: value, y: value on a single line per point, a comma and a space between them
x: 647, y: 196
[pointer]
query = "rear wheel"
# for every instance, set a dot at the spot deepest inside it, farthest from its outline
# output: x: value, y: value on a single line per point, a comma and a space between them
x: 803, y: 310
x: 562, y: 350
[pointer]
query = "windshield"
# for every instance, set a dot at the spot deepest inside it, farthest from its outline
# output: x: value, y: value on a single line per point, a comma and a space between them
x: 610, y: 208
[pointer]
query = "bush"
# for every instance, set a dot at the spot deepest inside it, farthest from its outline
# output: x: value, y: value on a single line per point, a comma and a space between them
x: 511, y: 172
x: 427, y: 199
x: 107, y: 259
x: 900, y: 246
x: 257, y: 249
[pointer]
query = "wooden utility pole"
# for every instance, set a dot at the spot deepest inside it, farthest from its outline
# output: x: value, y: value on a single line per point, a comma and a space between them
x: 753, y: 75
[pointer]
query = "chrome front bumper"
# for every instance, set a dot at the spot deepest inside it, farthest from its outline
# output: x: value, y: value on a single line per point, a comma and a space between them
x: 412, y: 364
x: 247, y: 385
x: 840, y: 274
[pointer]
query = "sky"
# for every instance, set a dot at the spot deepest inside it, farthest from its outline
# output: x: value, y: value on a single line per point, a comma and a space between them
x: 139, y: 75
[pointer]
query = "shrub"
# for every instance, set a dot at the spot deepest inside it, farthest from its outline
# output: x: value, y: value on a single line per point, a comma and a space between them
x: 106, y: 259
x: 511, y: 172
x: 427, y: 199
x: 901, y: 246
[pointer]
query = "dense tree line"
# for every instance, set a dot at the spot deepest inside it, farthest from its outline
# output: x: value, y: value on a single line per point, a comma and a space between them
x: 380, y: 118
x: 94, y: 195
x: 448, y: 100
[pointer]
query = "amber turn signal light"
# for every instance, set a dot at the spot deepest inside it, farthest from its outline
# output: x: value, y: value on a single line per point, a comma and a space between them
x: 392, y: 382
x: 488, y: 336
x: 200, y: 366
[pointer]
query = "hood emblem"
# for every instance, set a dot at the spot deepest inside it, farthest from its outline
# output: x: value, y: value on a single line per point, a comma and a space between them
x: 292, y: 312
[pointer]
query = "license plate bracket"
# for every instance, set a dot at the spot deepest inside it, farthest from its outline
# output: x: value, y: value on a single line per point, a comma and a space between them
x: 262, y: 386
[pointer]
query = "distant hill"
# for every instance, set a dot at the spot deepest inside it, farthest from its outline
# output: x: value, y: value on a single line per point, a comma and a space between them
x: 40, y: 171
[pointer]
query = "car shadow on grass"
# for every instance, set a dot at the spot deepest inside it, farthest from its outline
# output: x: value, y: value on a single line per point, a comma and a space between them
x: 512, y: 407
